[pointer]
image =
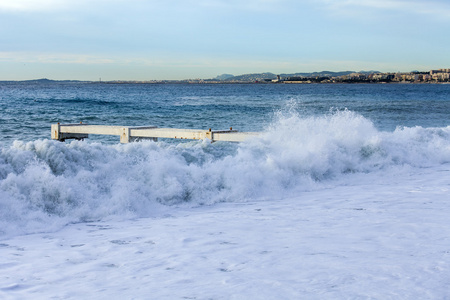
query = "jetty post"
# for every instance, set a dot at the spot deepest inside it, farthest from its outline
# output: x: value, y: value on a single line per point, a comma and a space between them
x: 62, y: 135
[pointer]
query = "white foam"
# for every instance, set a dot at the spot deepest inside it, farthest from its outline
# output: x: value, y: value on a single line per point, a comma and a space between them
x: 45, y: 183
x: 361, y: 237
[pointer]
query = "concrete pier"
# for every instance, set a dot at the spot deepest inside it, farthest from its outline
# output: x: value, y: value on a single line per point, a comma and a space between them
x: 127, y: 134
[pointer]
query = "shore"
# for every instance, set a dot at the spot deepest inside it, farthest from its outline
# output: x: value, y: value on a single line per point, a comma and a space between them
x: 381, y: 238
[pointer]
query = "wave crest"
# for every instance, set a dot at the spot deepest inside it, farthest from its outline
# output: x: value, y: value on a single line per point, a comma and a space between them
x: 45, y: 181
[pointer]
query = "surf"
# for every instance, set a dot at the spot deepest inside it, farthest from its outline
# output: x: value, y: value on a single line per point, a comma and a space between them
x: 45, y: 184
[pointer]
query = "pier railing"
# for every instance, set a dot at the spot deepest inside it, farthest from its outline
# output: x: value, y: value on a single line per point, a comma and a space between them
x: 128, y: 134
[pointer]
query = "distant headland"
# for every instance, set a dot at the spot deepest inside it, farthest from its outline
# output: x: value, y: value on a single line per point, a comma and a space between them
x: 432, y: 76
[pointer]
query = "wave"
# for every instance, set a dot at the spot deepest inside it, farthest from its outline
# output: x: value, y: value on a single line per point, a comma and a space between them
x: 45, y: 184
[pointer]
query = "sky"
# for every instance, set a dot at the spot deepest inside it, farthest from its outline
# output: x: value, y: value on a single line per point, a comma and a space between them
x: 175, y: 39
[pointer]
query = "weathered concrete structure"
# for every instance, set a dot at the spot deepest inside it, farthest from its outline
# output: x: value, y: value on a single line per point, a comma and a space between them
x: 127, y: 134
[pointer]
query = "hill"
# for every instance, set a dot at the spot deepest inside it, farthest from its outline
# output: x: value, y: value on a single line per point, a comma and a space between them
x: 269, y: 76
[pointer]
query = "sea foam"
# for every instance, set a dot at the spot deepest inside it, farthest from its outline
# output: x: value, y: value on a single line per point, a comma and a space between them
x: 45, y: 184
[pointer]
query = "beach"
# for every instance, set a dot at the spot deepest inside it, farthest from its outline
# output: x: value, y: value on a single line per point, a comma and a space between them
x: 380, y: 238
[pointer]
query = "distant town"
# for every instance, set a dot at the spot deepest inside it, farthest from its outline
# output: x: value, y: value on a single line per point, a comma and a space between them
x: 432, y: 76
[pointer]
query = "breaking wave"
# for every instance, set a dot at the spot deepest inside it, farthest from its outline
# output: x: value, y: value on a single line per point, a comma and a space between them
x: 45, y: 184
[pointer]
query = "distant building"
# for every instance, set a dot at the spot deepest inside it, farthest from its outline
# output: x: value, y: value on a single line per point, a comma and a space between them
x: 278, y: 79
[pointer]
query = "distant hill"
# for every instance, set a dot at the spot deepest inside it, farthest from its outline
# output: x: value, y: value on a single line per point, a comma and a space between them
x: 318, y: 74
x: 270, y: 76
x: 252, y: 77
x: 43, y: 80
x: 224, y: 77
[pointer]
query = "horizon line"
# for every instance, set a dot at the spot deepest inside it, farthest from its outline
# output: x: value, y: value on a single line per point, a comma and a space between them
x: 215, y: 78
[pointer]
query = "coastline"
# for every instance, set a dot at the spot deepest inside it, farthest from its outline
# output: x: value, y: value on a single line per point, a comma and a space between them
x: 207, y: 82
x: 324, y: 77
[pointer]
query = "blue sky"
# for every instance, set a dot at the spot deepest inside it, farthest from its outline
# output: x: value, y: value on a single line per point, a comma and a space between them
x: 174, y: 39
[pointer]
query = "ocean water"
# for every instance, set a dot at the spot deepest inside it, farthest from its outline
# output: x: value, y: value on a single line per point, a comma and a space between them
x: 313, y: 137
x: 343, y: 195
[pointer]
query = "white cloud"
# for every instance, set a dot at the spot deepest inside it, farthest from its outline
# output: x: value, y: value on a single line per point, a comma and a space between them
x: 51, y: 5
x: 243, y: 5
x: 439, y: 9
x: 54, y: 58
x: 30, y: 5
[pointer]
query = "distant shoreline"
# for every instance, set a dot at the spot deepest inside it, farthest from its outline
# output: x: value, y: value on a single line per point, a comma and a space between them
x: 210, y: 82
x: 440, y: 76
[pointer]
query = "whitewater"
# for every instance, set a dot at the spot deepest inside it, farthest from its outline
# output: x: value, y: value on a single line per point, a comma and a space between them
x: 321, y: 205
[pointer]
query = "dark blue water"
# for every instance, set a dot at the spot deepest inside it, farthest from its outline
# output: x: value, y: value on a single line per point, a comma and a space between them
x: 28, y: 109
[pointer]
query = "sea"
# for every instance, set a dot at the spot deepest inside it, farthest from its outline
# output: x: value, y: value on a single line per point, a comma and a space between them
x: 344, y: 194
x: 311, y: 135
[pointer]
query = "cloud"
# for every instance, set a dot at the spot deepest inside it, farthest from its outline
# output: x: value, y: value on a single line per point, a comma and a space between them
x: 51, y: 5
x: 248, y: 5
x: 54, y: 58
x: 439, y: 9
x: 30, y: 5
x: 147, y: 5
